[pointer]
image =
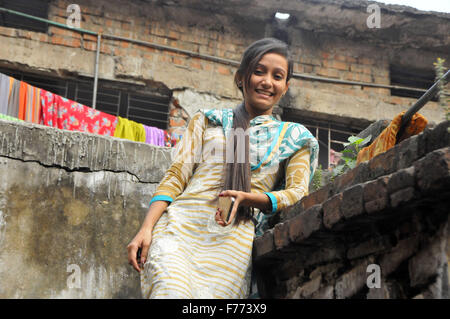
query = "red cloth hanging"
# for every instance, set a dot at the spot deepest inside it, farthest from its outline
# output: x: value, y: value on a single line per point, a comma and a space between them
x: 63, y: 113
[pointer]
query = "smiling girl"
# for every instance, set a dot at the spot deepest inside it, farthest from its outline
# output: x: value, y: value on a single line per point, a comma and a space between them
x: 188, y: 250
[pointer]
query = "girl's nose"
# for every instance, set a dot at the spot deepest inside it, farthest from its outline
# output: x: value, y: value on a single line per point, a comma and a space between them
x: 266, y: 82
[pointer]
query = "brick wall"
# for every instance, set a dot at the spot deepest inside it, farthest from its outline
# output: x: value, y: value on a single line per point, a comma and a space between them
x: 391, y: 211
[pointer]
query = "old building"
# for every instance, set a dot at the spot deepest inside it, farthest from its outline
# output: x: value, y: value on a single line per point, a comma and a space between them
x: 157, y: 63
x: 160, y: 61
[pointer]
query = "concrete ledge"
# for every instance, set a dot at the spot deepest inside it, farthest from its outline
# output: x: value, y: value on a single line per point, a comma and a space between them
x: 82, y: 151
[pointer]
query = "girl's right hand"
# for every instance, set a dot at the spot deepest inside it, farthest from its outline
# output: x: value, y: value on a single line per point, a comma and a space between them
x: 141, y: 241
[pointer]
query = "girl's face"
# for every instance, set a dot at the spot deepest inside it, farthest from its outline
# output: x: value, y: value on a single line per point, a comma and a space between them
x: 267, y: 84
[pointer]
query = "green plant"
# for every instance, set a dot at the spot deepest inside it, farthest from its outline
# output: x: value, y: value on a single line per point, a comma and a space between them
x: 444, y: 100
x: 350, y: 154
x: 317, y: 179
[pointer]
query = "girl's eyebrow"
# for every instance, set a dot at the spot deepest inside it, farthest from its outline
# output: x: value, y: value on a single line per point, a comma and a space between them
x: 276, y: 69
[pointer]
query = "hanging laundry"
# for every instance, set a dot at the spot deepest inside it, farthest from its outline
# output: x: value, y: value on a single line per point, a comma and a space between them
x: 32, y: 111
x: 167, y: 139
x: 63, y: 113
x: 4, y: 93
x: 154, y: 136
x: 130, y: 130
x: 388, y: 136
x: 14, y: 98
x: 175, y: 138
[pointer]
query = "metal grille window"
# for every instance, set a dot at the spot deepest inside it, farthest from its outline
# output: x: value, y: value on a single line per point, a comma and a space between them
x: 141, y: 109
x: 125, y: 100
x: 38, y: 8
x: 410, y: 77
x: 331, y: 139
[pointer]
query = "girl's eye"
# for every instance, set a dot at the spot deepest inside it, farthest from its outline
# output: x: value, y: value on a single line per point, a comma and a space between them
x: 258, y: 72
x: 278, y: 77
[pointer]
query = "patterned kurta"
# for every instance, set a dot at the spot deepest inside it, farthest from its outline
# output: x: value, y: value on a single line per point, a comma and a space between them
x: 191, y: 256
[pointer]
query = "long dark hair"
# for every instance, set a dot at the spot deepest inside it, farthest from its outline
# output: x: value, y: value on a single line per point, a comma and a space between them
x: 238, y: 175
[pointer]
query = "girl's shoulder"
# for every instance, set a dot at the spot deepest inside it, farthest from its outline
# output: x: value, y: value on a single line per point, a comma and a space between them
x: 218, y: 117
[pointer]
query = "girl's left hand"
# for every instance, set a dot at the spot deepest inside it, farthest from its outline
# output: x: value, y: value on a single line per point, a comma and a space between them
x: 239, y: 198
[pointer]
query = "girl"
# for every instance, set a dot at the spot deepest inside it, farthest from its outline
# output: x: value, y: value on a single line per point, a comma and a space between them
x: 188, y: 249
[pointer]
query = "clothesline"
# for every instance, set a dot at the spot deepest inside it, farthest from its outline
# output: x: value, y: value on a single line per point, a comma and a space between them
x: 22, y: 101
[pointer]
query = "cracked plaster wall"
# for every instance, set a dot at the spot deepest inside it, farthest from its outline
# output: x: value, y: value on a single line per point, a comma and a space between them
x: 68, y: 201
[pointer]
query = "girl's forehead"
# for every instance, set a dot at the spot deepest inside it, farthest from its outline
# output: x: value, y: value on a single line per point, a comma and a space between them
x: 273, y: 59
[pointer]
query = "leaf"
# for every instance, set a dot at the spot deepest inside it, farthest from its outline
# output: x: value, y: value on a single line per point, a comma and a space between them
x: 354, y: 139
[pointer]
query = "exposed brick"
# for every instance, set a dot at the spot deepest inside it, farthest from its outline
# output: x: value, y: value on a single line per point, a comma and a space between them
x: 9, y: 32
x: 407, y: 152
x: 174, y: 112
x: 375, y: 244
x: 352, y: 281
x: 70, y: 42
x: 401, y: 179
x: 438, y: 137
x: 324, y: 293
x: 356, y: 68
x: 281, y: 235
x: 426, y: 263
x: 403, y: 250
x: 264, y: 244
x: 433, y: 170
x: 402, y: 196
x: 384, y: 163
x: 345, y: 180
x: 332, y: 211
x: 223, y: 70
x: 307, y: 289
x: 352, y: 201
x: 375, y: 195
x: 177, y: 122
x: 293, y: 210
x: 303, y: 225
x: 333, y: 73
x: 318, y: 197
x: 361, y: 173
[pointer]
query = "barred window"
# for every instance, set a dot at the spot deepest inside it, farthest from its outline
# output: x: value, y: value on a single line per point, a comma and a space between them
x: 127, y: 100
x: 38, y: 8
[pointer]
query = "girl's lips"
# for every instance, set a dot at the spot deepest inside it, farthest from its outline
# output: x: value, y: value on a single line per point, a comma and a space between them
x: 264, y: 95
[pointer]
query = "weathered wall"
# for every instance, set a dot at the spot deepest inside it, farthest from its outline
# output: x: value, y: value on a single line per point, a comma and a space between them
x: 75, y: 199
x: 329, y: 39
x: 392, y: 211
x: 69, y: 198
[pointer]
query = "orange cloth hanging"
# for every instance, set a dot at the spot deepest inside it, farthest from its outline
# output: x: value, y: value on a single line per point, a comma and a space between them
x: 388, y: 137
x: 23, y: 100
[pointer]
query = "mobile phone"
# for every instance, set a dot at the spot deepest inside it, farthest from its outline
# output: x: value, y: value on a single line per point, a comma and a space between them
x: 226, y: 205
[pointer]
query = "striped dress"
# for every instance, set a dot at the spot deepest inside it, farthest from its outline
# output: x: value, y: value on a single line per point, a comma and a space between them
x: 191, y: 256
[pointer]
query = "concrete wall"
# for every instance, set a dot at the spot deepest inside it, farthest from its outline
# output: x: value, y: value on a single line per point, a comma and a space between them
x: 69, y: 204
x: 329, y: 39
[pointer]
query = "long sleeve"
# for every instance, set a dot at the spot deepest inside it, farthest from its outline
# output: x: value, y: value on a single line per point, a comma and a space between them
x: 188, y: 152
x: 297, y: 181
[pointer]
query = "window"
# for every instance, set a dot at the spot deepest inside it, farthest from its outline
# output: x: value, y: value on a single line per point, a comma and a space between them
x: 411, y: 77
x: 331, y: 134
x: 119, y: 99
x: 38, y: 8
